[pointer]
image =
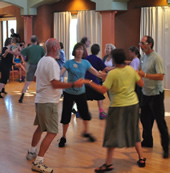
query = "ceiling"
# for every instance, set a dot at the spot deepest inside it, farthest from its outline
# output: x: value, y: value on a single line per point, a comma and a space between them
x: 4, y: 4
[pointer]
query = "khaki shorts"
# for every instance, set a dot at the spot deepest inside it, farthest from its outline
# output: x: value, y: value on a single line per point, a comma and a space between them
x: 31, y: 68
x: 47, y: 117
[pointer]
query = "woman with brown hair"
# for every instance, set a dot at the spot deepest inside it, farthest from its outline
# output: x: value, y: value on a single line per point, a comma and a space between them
x: 122, y: 128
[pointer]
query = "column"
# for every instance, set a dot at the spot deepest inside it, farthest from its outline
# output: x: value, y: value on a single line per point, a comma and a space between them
x: 108, y: 28
x: 27, y: 28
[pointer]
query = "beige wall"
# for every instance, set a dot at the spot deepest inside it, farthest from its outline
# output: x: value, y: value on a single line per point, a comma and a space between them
x: 127, y: 23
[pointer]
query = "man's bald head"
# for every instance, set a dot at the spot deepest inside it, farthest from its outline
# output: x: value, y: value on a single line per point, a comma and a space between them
x: 52, y: 45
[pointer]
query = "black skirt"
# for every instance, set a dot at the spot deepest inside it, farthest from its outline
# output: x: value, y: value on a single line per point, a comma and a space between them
x: 92, y: 94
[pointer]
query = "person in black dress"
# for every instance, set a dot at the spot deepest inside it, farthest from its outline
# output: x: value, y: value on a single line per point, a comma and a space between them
x: 5, y: 66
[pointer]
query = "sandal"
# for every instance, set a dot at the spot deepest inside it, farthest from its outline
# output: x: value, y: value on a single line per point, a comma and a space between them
x: 104, y: 167
x: 141, y: 162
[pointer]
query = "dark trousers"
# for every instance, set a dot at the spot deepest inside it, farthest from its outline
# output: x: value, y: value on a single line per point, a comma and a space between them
x: 5, y: 72
x: 152, y: 108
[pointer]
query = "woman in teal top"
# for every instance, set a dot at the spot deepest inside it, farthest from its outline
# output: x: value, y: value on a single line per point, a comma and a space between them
x: 122, y: 129
x: 76, y: 69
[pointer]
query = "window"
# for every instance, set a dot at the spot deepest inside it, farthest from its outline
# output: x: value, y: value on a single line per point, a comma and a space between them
x: 11, y: 24
x: 6, y: 26
x: 73, y: 34
x: 4, y: 31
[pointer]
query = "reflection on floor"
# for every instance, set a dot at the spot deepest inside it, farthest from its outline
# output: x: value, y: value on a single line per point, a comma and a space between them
x: 79, y: 155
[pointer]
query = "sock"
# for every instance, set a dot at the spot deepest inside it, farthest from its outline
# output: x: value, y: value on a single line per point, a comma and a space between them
x: 101, y: 110
x: 33, y: 149
x: 39, y: 159
x: 27, y: 83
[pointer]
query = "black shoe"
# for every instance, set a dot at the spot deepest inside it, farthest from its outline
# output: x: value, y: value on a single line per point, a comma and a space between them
x: 62, y: 142
x: 144, y: 144
x: 87, y: 135
x: 21, y: 98
x: 165, y: 155
x: 1, y: 96
x: 3, y: 91
x: 74, y: 111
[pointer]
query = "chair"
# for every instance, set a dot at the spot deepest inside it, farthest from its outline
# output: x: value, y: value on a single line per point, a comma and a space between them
x: 14, y: 74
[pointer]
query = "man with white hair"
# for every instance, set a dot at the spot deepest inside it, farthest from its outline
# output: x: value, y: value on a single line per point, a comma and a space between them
x: 48, y: 92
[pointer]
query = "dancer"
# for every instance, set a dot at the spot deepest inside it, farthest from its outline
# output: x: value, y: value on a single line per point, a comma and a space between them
x: 152, y: 105
x: 5, y: 66
x: 99, y: 65
x: 122, y: 129
x: 76, y: 69
x: 48, y: 91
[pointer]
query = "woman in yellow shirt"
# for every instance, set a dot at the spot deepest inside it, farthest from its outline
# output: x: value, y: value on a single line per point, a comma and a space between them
x: 122, y: 129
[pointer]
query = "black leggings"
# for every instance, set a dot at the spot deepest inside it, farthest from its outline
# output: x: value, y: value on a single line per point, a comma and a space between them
x: 5, y: 71
x: 82, y: 106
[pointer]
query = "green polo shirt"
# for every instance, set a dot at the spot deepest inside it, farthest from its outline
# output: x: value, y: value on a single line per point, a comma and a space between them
x: 152, y: 64
x: 34, y: 53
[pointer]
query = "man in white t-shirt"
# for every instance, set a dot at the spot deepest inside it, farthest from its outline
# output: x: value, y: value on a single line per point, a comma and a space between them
x: 48, y: 92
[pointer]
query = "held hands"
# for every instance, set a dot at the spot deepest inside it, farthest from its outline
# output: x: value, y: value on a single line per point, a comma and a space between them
x: 79, y: 83
x: 6, y: 52
x: 141, y: 72
x: 87, y: 81
x: 102, y: 75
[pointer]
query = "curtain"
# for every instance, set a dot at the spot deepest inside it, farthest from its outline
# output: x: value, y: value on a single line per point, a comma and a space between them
x: 61, y: 30
x: 155, y: 21
x: 89, y: 24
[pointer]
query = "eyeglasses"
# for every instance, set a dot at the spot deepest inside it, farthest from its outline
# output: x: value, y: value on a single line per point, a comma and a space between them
x: 142, y: 43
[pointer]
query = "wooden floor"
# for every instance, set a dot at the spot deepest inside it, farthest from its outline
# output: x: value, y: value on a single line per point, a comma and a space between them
x: 79, y: 156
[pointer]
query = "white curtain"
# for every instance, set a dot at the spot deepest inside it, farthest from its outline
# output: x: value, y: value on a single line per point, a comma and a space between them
x: 89, y: 24
x: 61, y: 30
x: 155, y: 21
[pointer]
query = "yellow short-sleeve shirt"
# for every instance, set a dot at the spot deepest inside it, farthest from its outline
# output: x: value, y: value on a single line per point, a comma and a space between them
x: 121, y: 84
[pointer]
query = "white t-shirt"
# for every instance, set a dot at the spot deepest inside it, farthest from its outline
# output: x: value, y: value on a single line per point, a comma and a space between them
x: 108, y: 63
x: 47, y: 70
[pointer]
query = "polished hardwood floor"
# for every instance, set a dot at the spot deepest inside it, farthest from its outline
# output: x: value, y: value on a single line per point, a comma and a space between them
x: 16, y: 131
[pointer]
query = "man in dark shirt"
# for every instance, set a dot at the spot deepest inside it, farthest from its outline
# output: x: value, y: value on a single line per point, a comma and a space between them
x: 15, y: 35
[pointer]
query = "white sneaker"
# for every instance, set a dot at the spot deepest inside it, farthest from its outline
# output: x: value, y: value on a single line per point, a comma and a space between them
x: 40, y: 167
x: 31, y: 156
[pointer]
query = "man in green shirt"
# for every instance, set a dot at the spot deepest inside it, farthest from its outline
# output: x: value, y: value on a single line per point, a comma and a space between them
x: 33, y: 53
x: 152, y: 106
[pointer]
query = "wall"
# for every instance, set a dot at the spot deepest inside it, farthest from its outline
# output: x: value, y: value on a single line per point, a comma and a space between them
x: 43, y: 22
x: 14, y: 11
x: 127, y: 23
